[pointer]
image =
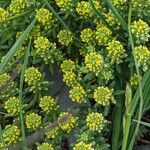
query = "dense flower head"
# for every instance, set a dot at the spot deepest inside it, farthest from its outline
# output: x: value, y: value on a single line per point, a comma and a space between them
x: 65, y: 37
x: 67, y: 65
x: 140, y: 30
x: 119, y: 2
x: 47, y: 103
x: 103, y: 95
x: 17, y: 6
x: 142, y: 54
x: 87, y: 35
x: 45, y: 146
x: 94, y: 62
x: 69, y: 124
x: 12, y: 106
x: 36, y: 32
x: 66, y: 5
x: 3, y: 14
x: 33, y: 121
x: 103, y: 34
x: 52, y: 133
x: 32, y: 76
x: 20, y: 52
x: 78, y: 94
x: 95, y: 121
x: 115, y: 51
x: 84, y: 9
x: 11, y: 134
x: 69, y: 78
x: 45, y: 17
x: 134, y: 80
x: 83, y: 146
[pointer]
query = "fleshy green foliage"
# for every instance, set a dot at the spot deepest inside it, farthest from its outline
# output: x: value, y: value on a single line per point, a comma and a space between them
x: 33, y: 121
x: 45, y: 146
x: 95, y: 121
x: 82, y: 146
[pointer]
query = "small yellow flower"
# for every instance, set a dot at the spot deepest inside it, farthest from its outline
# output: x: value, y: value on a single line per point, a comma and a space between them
x: 45, y: 146
x: 115, y: 51
x: 83, y: 146
x: 11, y: 134
x: 52, y: 133
x: 47, y: 103
x: 103, y: 95
x: 103, y: 34
x: 67, y: 65
x: 87, y: 35
x: 12, y: 106
x: 65, y: 37
x: 69, y: 124
x: 95, y: 121
x: 140, y: 30
x: 134, y: 81
x: 94, y: 62
x: 119, y: 2
x: 78, y: 94
x: 3, y: 14
x: 33, y: 121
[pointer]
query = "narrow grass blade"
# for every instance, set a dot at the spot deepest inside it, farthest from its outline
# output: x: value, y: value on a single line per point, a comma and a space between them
x: 21, y: 89
x: 15, y: 47
x: 143, y: 123
x: 116, y: 14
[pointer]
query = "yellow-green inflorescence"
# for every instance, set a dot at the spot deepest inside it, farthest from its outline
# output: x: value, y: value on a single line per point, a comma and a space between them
x: 103, y: 34
x: 69, y: 124
x: 95, y: 121
x: 66, y: 5
x: 3, y: 14
x: 94, y: 62
x: 140, y: 30
x: 119, y: 2
x: 103, y: 95
x: 47, y: 103
x: 83, y: 146
x: 65, y: 37
x: 45, y: 17
x: 53, y: 133
x: 45, y: 146
x: 11, y: 134
x: 43, y: 48
x: 78, y: 94
x: 115, y: 51
x: 17, y: 6
x: 12, y: 106
x: 33, y: 121
x: 134, y: 80
x: 87, y: 35
x: 142, y: 54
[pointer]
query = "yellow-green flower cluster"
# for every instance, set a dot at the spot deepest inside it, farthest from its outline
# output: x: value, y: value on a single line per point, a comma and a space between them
x: 84, y: 10
x: 20, y: 52
x: 11, y: 134
x: 134, y: 81
x: 3, y: 14
x: 142, y: 54
x: 32, y: 76
x: 65, y: 37
x: 69, y: 124
x: 36, y: 32
x: 95, y: 121
x: 103, y: 34
x: 33, y: 121
x: 47, y: 103
x: 52, y: 133
x: 94, y: 62
x: 17, y: 6
x: 68, y: 66
x: 45, y: 146
x: 66, y: 5
x: 87, y: 35
x: 140, y: 30
x: 83, y: 146
x: 45, y: 17
x: 43, y: 48
x: 115, y: 51
x: 78, y: 94
x: 119, y: 2
x: 103, y: 95
x: 12, y: 106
